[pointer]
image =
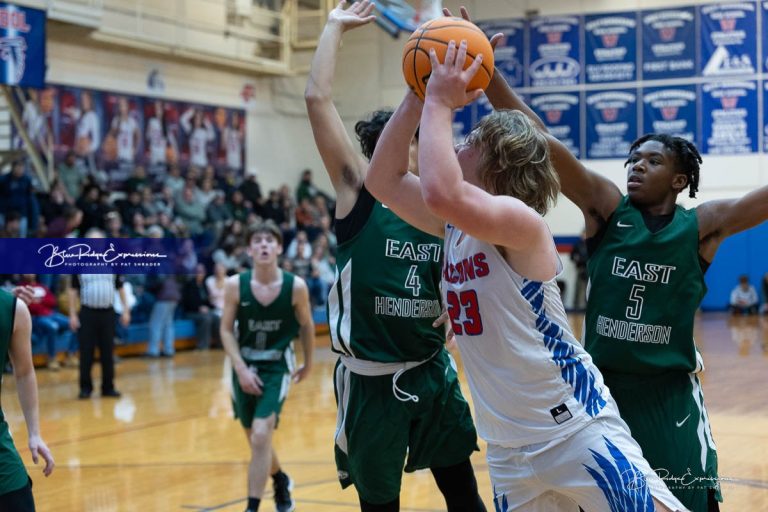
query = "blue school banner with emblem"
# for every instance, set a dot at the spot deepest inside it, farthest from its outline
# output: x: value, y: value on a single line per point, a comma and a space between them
x: 728, y: 39
x: 463, y: 120
x: 669, y: 43
x: 611, y: 47
x: 611, y: 122
x: 764, y: 11
x: 561, y: 113
x: 22, y: 46
x: 765, y: 117
x: 554, y: 51
x: 671, y: 110
x: 509, y: 55
x: 729, y: 118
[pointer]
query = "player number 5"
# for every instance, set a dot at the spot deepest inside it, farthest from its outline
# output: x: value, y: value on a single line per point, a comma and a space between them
x: 635, y: 310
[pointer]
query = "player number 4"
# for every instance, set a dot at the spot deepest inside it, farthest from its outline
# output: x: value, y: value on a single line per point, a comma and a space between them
x: 412, y: 282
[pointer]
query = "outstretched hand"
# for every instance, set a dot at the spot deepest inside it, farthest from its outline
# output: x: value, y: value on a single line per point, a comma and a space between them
x: 495, y: 39
x: 357, y: 15
x: 449, y: 80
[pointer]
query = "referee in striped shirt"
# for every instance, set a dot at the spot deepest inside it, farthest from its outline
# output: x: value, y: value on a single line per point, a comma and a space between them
x: 95, y: 326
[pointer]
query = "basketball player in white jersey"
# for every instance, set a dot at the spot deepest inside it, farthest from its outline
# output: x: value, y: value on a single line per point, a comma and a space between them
x: 87, y: 131
x: 555, y: 438
x: 200, y: 133
x: 233, y: 143
x: 125, y: 129
x: 156, y: 136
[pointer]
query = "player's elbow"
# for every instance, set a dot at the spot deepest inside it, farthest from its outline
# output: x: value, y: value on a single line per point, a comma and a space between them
x: 437, y: 200
x: 313, y: 96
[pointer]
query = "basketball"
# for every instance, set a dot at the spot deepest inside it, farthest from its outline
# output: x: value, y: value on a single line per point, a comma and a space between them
x: 438, y: 34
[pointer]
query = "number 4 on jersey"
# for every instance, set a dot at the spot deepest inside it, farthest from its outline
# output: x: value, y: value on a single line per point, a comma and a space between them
x: 412, y: 282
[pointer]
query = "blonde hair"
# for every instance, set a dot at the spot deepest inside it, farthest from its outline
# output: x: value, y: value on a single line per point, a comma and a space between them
x: 515, y: 159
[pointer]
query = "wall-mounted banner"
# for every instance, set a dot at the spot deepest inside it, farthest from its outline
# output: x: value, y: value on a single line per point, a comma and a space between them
x: 728, y: 39
x: 764, y: 11
x: 562, y: 115
x: 611, y: 47
x: 729, y: 118
x: 22, y: 46
x: 554, y: 51
x: 483, y: 107
x: 669, y: 43
x: 671, y: 110
x: 611, y: 123
x: 509, y: 54
x: 765, y: 117
x: 94, y: 255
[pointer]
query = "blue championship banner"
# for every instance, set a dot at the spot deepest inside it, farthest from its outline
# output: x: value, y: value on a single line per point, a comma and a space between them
x: 94, y: 255
x: 509, y: 54
x: 729, y: 118
x: 611, y: 47
x: 671, y: 110
x: 463, y: 120
x: 562, y: 115
x: 611, y: 123
x: 669, y: 48
x: 22, y: 46
x: 765, y: 117
x: 764, y: 11
x: 728, y: 39
x: 554, y: 51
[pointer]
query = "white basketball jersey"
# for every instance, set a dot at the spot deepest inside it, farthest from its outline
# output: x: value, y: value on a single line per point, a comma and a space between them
x: 531, y: 380
x: 126, y: 129
x: 157, y: 141
x: 198, y: 147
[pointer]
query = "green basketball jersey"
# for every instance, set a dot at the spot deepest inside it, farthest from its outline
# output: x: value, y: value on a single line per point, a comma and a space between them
x: 644, y: 289
x: 266, y: 332
x: 386, y: 293
x: 13, y: 475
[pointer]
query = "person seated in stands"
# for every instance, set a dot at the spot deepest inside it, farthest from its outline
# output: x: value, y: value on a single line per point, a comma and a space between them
x: 744, y: 299
x: 50, y: 324
x: 196, y: 306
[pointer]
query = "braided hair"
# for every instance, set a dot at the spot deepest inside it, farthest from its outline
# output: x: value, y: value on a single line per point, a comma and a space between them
x: 687, y: 157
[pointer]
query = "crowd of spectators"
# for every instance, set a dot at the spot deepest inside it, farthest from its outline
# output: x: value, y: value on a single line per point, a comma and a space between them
x: 210, y: 211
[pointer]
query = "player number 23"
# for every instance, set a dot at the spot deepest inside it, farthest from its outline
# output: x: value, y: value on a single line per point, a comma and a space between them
x: 465, y: 302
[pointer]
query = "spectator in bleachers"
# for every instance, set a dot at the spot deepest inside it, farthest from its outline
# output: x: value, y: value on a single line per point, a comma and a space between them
x: 251, y: 191
x: 12, y: 227
x: 327, y: 232
x: 215, y: 286
x: 273, y: 208
x: 191, y: 211
x: 196, y: 305
x: 67, y: 225
x: 187, y: 258
x: 166, y: 224
x: 93, y: 211
x: 167, y: 294
x: 744, y: 300
x: 166, y: 202
x: 49, y: 323
x: 17, y: 194
x: 207, y: 193
x: 237, y: 207
x: 324, y: 272
x: 72, y: 175
x: 131, y: 206
x: 306, y: 188
x: 53, y: 203
x: 138, y: 180
x: 174, y: 181
x: 305, y: 215
x: 113, y: 225
x: 299, y: 247
x: 149, y: 206
x: 138, y: 226
x: 218, y: 214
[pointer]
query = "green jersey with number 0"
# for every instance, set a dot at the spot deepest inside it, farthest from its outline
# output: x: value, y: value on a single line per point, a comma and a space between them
x: 644, y: 290
x: 386, y: 293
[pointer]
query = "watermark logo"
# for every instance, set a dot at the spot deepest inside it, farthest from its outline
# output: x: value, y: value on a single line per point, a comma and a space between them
x: 94, y: 255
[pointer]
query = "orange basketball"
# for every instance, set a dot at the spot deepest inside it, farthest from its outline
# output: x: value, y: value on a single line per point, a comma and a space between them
x: 437, y: 34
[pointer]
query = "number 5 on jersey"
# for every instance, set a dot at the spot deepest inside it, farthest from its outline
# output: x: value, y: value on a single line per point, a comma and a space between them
x: 465, y: 302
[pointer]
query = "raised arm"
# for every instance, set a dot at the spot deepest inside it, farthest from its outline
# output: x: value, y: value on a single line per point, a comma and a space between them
x: 344, y: 165
x: 722, y: 218
x: 388, y: 177
x: 303, y: 313
x: 20, y: 351
x: 596, y: 196
x: 498, y: 219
